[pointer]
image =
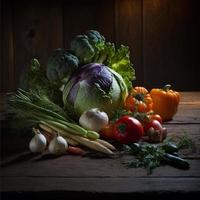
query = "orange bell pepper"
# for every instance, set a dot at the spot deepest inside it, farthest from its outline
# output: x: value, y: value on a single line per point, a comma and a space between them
x: 165, y: 102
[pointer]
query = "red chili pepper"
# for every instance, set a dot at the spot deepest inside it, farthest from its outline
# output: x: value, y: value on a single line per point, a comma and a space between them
x: 75, y: 150
x: 128, y: 130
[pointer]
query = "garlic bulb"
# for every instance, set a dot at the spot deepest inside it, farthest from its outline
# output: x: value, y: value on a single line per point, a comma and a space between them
x: 38, y: 142
x: 58, y: 145
x: 94, y: 119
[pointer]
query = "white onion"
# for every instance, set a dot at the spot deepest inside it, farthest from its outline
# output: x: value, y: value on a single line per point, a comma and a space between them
x: 94, y: 119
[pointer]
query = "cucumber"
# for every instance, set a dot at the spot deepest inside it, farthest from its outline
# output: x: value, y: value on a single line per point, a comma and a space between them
x: 170, y: 148
x: 176, y: 161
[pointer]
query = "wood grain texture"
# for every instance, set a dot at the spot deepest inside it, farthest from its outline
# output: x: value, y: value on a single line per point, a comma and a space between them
x: 187, y: 114
x: 1, y: 46
x: 26, y: 164
x: 98, y: 185
x: 170, y: 43
x: 162, y: 36
x: 176, y: 131
x: 128, y: 30
x: 7, y: 70
x: 80, y: 16
x: 188, y: 109
x: 37, y: 31
x: 190, y: 97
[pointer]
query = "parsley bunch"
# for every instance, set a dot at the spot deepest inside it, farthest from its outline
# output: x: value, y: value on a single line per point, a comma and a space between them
x: 147, y: 155
x: 150, y: 156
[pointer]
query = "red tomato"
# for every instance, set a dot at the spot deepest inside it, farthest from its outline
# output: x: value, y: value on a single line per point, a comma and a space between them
x: 154, y: 124
x: 156, y: 117
x: 128, y: 130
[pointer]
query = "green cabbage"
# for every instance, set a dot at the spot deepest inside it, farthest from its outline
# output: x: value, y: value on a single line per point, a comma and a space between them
x: 94, y: 86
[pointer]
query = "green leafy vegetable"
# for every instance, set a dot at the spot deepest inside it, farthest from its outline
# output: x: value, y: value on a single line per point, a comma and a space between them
x: 34, y: 79
x: 93, y: 48
x: 96, y: 38
x: 150, y: 156
x: 60, y: 66
x: 147, y: 156
x: 34, y: 102
x: 120, y: 62
x: 37, y: 107
x: 98, y: 43
x: 82, y: 49
x: 94, y: 86
x: 93, y: 73
x: 34, y: 76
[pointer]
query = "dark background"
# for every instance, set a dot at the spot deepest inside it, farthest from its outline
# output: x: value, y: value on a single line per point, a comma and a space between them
x: 163, y: 36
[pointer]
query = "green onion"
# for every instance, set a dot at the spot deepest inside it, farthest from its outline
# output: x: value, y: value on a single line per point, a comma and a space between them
x: 30, y: 105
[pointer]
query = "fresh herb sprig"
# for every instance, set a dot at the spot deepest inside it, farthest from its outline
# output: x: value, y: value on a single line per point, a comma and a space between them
x: 151, y: 156
x: 183, y: 141
x: 147, y: 156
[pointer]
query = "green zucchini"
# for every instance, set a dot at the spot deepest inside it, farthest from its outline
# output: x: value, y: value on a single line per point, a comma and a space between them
x: 176, y: 161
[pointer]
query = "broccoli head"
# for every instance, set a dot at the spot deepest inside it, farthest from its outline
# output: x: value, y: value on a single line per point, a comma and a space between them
x: 95, y: 37
x: 61, y: 65
x: 82, y: 49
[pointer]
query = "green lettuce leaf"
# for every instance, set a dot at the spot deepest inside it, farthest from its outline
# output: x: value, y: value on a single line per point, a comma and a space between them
x: 119, y: 61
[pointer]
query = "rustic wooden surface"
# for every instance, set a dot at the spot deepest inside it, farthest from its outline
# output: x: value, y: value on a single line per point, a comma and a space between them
x: 170, y: 43
x: 26, y: 173
x: 163, y: 36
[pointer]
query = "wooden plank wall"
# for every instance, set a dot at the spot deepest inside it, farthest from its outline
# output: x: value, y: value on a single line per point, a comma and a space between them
x: 170, y: 43
x: 162, y: 36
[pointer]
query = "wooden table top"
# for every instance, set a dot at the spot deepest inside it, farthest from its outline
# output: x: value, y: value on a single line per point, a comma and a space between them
x: 23, y: 172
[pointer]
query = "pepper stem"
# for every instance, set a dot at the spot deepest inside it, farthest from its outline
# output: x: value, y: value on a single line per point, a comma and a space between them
x: 139, y: 97
x: 166, y: 87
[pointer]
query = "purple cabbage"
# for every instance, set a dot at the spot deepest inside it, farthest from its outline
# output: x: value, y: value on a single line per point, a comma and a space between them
x: 94, y: 86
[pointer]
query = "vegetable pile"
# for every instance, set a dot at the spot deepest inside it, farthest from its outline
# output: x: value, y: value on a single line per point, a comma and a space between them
x: 85, y: 97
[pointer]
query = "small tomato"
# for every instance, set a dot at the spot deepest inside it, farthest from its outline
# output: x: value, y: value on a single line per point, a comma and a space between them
x: 107, y: 131
x: 153, y: 124
x: 155, y: 117
x: 128, y: 130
